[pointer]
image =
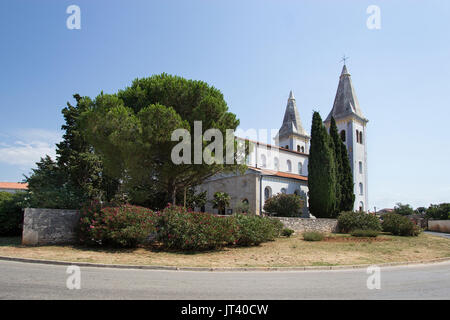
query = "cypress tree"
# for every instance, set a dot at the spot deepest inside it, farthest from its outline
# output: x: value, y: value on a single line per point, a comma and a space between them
x: 337, y: 141
x: 321, y: 171
x: 347, y: 191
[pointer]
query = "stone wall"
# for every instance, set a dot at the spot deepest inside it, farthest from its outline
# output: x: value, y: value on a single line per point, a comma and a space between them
x: 49, y: 226
x: 439, y: 225
x: 305, y: 224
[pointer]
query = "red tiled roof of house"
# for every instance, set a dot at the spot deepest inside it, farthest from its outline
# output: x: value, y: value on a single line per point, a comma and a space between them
x: 14, y: 185
x: 281, y: 174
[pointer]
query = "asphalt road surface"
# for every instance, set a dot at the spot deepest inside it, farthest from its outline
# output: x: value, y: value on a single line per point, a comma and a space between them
x: 39, y: 281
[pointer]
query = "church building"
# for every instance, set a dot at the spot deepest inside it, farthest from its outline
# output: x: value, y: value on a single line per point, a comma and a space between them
x: 283, y: 167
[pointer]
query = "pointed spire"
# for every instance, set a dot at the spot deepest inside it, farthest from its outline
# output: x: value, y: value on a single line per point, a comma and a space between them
x: 344, y: 71
x: 291, y: 95
x: 291, y: 122
x: 345, y: 102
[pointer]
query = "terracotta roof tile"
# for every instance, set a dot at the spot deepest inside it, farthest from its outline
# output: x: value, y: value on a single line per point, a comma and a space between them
x: 280, y: 174
x: 13, y: 185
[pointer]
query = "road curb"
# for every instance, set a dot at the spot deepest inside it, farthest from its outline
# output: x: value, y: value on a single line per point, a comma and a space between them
x: 220, y: 269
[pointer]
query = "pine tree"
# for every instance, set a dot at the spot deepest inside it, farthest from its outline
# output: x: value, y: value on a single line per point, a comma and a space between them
x: 321, y: 171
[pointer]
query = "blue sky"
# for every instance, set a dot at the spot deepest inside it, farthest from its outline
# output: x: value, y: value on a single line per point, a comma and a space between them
x: 254, y: 51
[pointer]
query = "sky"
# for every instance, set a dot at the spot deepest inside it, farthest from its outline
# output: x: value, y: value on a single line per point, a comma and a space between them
x: 255, y: 52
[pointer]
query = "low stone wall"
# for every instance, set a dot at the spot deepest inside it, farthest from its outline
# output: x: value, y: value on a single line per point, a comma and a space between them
x: 307, y: 224
x: 49, y: 226
x: 439, y: 225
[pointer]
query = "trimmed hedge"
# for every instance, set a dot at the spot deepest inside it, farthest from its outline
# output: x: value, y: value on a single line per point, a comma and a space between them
x: 180, y: 229
x: 122, y: 226
x: 175, y: 228
x: 350, y: 221
x: 399, y: 225
x: 253, y: 230
x: 313, y: 236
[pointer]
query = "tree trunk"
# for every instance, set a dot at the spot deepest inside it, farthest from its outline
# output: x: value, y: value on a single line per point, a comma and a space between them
x: 184, y: 203
x: 174, y: 196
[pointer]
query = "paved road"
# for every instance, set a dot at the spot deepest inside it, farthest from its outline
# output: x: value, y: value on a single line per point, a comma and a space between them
x: 439, y: 234
x: 38, y: 281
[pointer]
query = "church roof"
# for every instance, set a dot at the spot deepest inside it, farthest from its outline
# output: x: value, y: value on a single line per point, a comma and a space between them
x: 345, y: 103
x: 291, y: 122
x: 280, y: 174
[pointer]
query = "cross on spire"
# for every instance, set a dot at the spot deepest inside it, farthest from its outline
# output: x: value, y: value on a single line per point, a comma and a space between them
x: 344, y: 59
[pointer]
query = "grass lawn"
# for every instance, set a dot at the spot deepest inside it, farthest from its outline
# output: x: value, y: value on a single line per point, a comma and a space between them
x: 284, y: 252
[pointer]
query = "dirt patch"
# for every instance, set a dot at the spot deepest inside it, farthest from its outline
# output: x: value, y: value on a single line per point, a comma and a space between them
x: 284, y: 252
x: 356, y: 239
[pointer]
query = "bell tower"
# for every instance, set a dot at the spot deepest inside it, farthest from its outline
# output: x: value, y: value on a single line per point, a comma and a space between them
x: 292, y: 135
x: 351, y: 126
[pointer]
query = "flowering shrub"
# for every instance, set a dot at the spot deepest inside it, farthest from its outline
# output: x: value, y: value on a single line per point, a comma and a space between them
x: 253, y: 230
x: 178, y: 228
x: 123, y: 226
x: 399, y: 225
x: 349, y: 221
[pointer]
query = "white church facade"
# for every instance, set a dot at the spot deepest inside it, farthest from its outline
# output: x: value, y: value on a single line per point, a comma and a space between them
x: 283, y: 167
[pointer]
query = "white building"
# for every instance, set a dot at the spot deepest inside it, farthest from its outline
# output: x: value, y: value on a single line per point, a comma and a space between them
x: 283, y: 167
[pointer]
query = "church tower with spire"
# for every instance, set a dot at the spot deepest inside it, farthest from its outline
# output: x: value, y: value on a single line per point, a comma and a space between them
x: 292, y: 135
x: 351, y: 126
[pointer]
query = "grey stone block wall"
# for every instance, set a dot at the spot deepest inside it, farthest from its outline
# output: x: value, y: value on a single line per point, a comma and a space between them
x: 49, y: 226
x: 305, y: 224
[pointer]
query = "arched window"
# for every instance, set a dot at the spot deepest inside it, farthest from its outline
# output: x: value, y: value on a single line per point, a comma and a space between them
x: 267, y: 193
x: 361, y: 189
x: 289, y: 166
x: 298, y: 148
x: 283, y: 190
x: 343, y: 135
x: 276, y: 164
x: 360, y: 167
x: 297, y: 192
x: 286, y: 147
x: 302, y: 149
x: 360, y: 137
x: 300, y: 168
x: 245, y: 201
x: 357, y: 136
x: 361, y: 206
x: 263, y: 161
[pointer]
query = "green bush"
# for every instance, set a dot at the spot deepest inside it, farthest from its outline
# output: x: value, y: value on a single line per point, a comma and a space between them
x: 11, y: 213
x: 313, y: 236
x: 284, y: 205
x: 253, y: 230
x: 365, y: 233
x: 287, y: 232
x: 399, y: 225
x: 180, y: 229
x: 122, y: 226
x: 349, y: 221
x: 439, y: 212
